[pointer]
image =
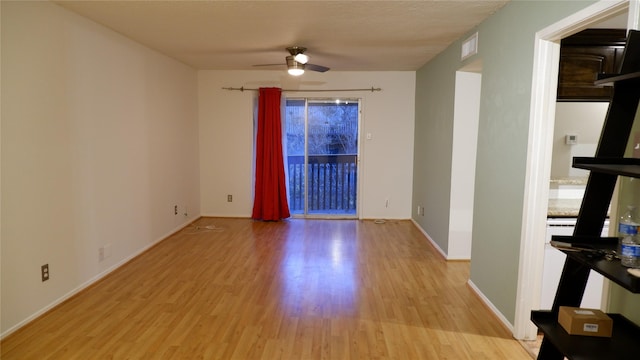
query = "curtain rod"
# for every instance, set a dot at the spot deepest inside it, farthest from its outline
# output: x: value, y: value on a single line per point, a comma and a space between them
x: 372, y: 89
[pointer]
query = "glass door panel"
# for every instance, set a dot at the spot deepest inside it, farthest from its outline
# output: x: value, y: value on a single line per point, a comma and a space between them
x: 322, y: 156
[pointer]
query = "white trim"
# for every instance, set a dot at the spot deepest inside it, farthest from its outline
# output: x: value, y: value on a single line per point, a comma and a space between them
x: 490, y: 305
x: 435, y: 245
x: 633, y: 20
x: 360, y: 168
x: 581, y: 20
x: 360, y: 171
x: 542, y: 116
x: 536, y: 191
x: 226, y: 215
x: 92, y: 281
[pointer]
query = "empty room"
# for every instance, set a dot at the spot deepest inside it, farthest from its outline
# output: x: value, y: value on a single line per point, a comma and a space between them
x: 284, y: 179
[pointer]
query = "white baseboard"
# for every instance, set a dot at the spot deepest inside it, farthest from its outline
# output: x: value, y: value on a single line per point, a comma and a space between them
x: 93, y: 280
x: 238, y: 216
x: 435, y: 245
x: 475, y: 289
x: 490, y: 305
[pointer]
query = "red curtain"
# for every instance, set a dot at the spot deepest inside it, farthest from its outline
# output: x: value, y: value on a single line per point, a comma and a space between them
x: 270, y: 198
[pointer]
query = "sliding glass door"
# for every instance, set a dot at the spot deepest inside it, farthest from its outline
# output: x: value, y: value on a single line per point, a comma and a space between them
x: 322, y: 156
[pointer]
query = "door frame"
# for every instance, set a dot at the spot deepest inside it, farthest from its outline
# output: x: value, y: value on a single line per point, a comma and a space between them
x: 308, y: 99
x: 540, y: 143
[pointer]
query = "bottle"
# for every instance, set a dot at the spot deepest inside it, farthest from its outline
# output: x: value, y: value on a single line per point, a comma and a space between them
x: 629, y: 239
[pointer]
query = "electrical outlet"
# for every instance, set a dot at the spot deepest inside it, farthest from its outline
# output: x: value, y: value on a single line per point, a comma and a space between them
x: 229, y: 198
x: 175, y: 210
x: 44, y: 272
x: 104, y: 252
x: 107, y: 251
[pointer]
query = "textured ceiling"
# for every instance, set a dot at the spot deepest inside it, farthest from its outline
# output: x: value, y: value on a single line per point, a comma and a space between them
x: 343, y: 35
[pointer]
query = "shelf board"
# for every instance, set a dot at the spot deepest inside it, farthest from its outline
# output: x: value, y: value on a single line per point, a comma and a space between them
x: 611, y: 269
x: 622, y: 345
x: 615, y: 166
x: 608, y: 79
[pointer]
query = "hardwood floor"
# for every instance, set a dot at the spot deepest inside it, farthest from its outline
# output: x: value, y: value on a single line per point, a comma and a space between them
x: 297, y: 289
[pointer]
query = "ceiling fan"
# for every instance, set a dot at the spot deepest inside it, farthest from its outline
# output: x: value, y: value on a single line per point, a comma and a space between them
x: 298, y: 62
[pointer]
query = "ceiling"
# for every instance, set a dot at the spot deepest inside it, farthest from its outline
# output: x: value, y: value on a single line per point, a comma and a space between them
x: 343, y: 35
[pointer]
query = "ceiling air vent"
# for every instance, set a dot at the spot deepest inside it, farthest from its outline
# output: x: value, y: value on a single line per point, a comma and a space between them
x: 470, y: 46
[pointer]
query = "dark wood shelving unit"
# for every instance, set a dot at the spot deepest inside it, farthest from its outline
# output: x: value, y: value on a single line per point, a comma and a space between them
x: 576, y: 347
x: 610, y: 269
x: 605, y: 168
x: 624, y: 166
x: 608, y: 79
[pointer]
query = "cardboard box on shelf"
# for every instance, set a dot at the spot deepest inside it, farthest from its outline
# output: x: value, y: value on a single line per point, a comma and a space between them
x: 587, y: 322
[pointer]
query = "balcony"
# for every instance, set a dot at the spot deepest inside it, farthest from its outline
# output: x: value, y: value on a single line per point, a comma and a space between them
x: 331, y: 187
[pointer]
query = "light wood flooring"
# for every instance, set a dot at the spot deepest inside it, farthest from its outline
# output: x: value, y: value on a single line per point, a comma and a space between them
x: 296, y: 289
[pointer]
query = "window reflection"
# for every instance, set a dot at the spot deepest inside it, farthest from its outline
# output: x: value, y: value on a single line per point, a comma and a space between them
x: 318, y: 270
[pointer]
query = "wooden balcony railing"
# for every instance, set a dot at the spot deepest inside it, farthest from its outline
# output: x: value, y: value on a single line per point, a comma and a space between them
x: 332, y: 182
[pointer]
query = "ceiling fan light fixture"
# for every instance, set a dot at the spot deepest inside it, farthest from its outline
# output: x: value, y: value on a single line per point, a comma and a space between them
x: 296, y: 72
x: 301, y: 58
x: 294, y: 68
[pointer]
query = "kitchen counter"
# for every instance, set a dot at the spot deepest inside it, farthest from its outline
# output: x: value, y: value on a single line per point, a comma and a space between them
x: 569, y: 181
x: 564, y: 207
x: 565, y: 196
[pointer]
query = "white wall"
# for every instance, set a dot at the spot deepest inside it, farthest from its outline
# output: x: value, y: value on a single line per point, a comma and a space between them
x: 226, y: 136
x: 99, y: 141
x: 463, y: 163
x: 584, y: 119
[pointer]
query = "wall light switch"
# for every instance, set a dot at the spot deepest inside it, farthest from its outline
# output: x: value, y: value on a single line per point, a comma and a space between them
x: 571, y: 139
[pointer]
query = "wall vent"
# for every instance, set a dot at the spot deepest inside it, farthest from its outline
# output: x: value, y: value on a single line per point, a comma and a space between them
x: 470, y: 46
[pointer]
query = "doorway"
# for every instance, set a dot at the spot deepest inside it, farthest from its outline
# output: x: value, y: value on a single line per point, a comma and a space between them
x: 321, y: 137
x: 542, y: 117
x: 466, y: 117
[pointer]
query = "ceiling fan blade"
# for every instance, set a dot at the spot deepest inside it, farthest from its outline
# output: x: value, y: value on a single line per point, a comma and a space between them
x: 269, y: 65
x: 314, y: 67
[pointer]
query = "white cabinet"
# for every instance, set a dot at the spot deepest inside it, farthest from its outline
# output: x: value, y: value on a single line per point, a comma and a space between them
x: 554, y: 261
